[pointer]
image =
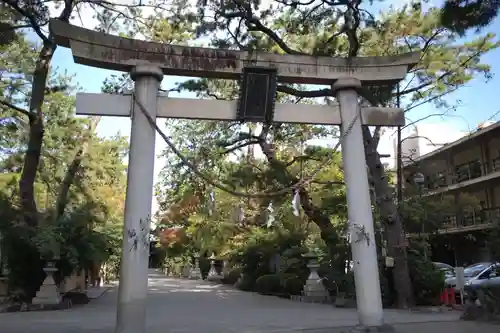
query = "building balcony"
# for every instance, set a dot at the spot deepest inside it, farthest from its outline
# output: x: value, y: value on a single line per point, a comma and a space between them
x: 468, y: 171
x: 467, y: 177
x: 471, y: 221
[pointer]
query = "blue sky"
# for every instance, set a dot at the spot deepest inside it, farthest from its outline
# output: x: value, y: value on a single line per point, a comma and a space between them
x: 477, y: 101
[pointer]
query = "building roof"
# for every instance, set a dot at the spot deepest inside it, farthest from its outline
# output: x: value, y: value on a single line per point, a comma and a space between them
x: 472, y: 135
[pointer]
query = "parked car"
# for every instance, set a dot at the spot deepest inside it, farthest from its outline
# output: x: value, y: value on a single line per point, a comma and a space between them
x: 477, y: 275
x: 448, y: 270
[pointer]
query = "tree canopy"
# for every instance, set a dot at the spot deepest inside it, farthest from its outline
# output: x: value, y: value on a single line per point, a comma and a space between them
x: 462, y: 15
x: 78, y: 180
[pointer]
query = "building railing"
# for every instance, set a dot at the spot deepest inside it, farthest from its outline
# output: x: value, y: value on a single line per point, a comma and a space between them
x: 463, y: 172
x: 472, y: 218
x: 467, y: 171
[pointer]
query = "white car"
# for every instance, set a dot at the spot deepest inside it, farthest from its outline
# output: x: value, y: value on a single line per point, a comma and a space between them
x: 480, y: 274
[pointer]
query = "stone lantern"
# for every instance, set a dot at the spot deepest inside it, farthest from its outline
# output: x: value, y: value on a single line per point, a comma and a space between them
x: 212, y: 273
x: 314, y: 291
x: 48, y: 294
x: 195, y: 272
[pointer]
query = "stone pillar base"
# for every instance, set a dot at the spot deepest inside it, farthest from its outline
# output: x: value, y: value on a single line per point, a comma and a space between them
x: 195, y: 273
x: 386, y: 328
x: 314, y: 291
x: 48, y: 293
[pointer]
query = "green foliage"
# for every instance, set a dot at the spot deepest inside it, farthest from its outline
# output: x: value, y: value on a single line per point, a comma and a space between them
x: 461, y: 15
x: 493, y: 241
x: 17, y: 248
x: 426, y: 279
x: 78, y: 189
x: 269, y: 284
x: 428, y: 214
x: 292, y: 285
x: 205, y: 265
x: 232, y: 276
x: 294, y: 263
x: 255, y: 256
x: 336, y: 281
x: 245, y: 283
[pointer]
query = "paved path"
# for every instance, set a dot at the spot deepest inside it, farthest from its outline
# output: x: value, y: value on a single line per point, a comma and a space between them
x: 184, y: 306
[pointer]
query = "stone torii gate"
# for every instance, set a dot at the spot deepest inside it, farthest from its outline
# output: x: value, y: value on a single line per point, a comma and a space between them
x: 147, y: 62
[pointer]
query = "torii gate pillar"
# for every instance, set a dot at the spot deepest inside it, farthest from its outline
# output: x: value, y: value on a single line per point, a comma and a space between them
x: 133, y: 287
x: 363, y: 247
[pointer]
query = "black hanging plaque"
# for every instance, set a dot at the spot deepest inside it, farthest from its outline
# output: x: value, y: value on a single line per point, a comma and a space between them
x: 257, y: 95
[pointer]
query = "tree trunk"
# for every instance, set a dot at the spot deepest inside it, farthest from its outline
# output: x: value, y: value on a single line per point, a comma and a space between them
x: 328, y: 233
x: 62, y: 199
x: 35, y: 140
x: 396, y: 239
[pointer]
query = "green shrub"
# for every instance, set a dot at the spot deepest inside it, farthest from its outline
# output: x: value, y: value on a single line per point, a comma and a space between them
x: 426, y: 280
x: 293, y: 262
x: 293, y: 285
x: 204, y: 263
x: 232, y: 276
x: 269, y: 284
x: 286, y: 276
x: 335, y: 281
x: 245, y: 283
x: 255, y: 256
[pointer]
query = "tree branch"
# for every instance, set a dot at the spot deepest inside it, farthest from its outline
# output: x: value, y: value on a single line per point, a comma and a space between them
x: 305, y: 93
x: 16, y: 108
x: 328, y: 182
x: 258, y: 26
x: 439, y: 78
x: 300, y: 158
x: 241, y: 145
x: 376, y: 136
x: 254, y: 24
x: 29, y: 16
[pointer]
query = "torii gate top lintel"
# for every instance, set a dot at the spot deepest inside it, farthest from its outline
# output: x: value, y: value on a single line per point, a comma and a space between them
x: 97, y: 49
